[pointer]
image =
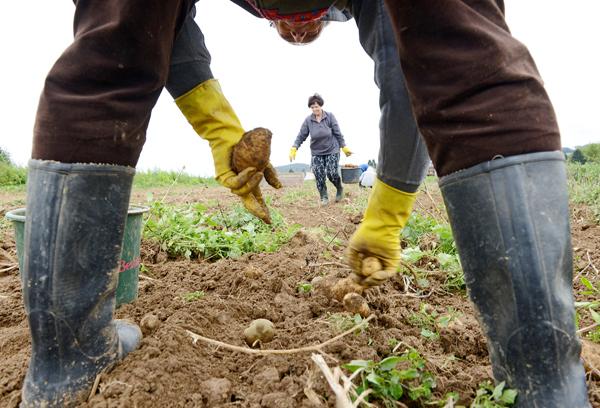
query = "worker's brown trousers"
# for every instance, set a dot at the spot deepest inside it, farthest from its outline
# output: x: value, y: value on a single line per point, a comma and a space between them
x: 475, y: 90
x: 98, y: 97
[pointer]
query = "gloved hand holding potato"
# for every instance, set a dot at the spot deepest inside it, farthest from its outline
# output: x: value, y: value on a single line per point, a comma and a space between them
x: 373, y: 253
x: 213, y: 119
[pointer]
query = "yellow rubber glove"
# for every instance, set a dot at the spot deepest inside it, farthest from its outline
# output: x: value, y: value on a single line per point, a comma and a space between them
x: 347, y: 151
x: 212, y: 117
x: 378, y: 235
x: 293, y: 151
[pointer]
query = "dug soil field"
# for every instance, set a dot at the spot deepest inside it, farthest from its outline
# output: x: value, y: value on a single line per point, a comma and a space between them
x: 189, y: 306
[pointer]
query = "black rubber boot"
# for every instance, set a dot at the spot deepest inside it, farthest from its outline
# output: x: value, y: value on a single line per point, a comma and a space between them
x: 74, y: 228
x: 510, y: 220
x: 324, y: 196
x: 339, y: 195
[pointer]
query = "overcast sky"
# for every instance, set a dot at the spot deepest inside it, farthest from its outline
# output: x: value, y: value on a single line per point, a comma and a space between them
x: 268, y: 81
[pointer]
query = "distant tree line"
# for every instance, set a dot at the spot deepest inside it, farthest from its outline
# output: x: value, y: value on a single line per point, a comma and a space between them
x: 589, y: 153
x: 4, y: 156
x: 10, y: 174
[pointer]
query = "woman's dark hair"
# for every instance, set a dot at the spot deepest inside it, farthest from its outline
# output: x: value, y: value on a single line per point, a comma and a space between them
x: 315, y: 98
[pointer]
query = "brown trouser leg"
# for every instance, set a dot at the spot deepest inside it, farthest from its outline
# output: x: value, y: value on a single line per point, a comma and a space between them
x: 475, y: 89
x: 98, y: 97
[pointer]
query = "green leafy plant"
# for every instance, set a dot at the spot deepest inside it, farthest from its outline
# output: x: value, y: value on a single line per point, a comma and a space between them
x: 490, y: 396
x: 578, y: 157
x: 593, y: 331
x: 395, y: 378
x: 430, y: 245
x: 330, y: 237
x: 4, y: 156
x: 192, y: 296
x: 357, y: 205
x: 591, y: 152
x: 344, y: 321
x: 419, y: 225
x: 590, y: 290
x: 192, y: 231
x: 11, y: 175
x: 430, y: 321
x: 304, y: 287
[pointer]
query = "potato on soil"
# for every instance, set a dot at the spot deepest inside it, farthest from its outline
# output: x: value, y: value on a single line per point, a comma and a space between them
x: 149, y: 323
x: 252, y: 272
x: 260, y: 330
x: 345, y: 286
x: 355, y: 303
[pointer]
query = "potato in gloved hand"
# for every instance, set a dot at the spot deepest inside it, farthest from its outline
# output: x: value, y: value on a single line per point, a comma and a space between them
x: 254, y: 151
x: 373, y: 252
x: 373, y: 272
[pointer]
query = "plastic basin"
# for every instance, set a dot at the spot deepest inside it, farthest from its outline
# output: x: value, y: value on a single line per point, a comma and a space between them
x: 351, y: 175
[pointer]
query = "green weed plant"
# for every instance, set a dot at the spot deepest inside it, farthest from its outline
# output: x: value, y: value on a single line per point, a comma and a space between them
x: 590, y: 291
x: 420, y: 228
x: 327, y: 235
x: 304, y: 287
x: 398, y: 380
x: 344, y: 321
x: 490, y: 396
x: 430, y: 321
x: 294, y: 195
x: 192, y: 231
x: 357, y: 205
x: 192, y: 296
x: 395, y: 378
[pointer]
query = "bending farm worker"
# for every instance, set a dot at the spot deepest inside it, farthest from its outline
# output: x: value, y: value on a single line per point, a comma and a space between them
x: 502, y: 175
x: 90, y: 129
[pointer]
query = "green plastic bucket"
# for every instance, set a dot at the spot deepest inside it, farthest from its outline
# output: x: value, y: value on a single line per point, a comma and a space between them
x: 129, y: 265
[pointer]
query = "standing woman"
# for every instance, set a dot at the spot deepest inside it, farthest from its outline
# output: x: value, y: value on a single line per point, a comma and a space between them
x: 325, y: 142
